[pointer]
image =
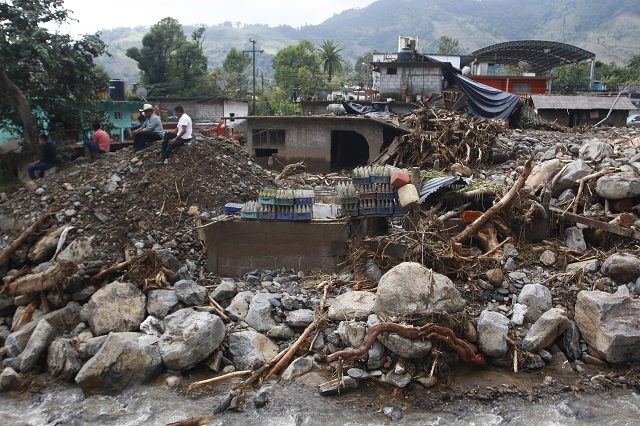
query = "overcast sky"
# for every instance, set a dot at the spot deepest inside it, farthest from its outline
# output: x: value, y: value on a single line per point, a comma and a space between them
x: 94, y: 16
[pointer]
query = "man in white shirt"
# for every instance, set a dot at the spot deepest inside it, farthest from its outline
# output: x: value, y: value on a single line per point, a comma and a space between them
x: 174, y: 140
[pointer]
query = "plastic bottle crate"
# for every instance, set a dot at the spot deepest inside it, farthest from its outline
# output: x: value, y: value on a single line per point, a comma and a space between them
x: 361, y: 180
x: 284, y: 201
x: 249, y: 215
x: 351, y: 211
x: 348, y: 200
x: 303, y: 201
x: 385, y: 195
x: 367, y: 210
x: 368, y: 195
x: 231, y: 208
x: 302, y: 216
x: 284, y: 216
x: 267, y: 215
x: 380, y: 179
x: 384, y: 210
x: 397, y: 210
x: 267, y: 200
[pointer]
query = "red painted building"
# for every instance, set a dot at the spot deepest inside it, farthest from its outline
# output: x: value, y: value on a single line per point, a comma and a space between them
x: 519, y: 85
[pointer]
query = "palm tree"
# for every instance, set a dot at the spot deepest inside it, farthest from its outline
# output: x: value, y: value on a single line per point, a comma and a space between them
x: 331, y: 58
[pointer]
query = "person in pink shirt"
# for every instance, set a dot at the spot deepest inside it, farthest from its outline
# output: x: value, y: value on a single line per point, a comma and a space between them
x: 99, y: 143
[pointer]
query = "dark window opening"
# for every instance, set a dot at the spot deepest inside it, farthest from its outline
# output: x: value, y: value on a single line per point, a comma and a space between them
x: 261, y: 153
x: 348, y: 150
x: 268, y: 138
x: 117, y: 115
x: 232, y: 114
x: 392, y: 71
x: 388, y: 135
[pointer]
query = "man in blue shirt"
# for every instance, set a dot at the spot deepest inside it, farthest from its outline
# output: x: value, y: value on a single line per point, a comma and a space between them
x: 150, y: 131
x: 47, y: 158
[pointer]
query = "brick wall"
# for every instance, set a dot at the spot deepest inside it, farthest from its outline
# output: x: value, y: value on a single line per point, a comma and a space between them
x: 420, y: 79
x: 240, y: 246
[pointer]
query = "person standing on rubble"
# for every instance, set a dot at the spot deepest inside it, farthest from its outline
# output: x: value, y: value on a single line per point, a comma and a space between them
x: 174, y: 140
x: 99, y: 144
x: 47, y: 158
x: 150, y: 132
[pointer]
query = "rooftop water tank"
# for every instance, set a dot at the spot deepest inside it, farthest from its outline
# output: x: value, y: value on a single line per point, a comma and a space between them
x: 116, y: 90
x: 405, y: 55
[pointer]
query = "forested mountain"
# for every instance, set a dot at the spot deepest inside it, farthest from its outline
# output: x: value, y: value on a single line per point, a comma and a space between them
x: 609, y: 28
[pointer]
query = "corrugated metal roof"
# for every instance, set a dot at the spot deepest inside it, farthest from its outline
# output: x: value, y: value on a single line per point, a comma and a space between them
x: 580, y: 102
x: 432, y: 185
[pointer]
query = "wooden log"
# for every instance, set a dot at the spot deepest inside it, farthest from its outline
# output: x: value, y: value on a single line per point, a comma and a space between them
x: 493, y: 210
x: 614, y: 229
x: 4, y: 257
x: 25, y: 317
x: 218, y: 379
x: 487, y: 237
x: 106, y: 272
x: 192, y: 422
x: 428, y: 331
x: 54, y: 277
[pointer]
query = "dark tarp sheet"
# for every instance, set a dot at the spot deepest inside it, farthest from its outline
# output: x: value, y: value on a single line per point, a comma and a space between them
x: 486, y: 102
x: 375, y: 109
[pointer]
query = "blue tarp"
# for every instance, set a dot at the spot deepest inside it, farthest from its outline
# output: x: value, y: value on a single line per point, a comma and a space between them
x: 486, y: 102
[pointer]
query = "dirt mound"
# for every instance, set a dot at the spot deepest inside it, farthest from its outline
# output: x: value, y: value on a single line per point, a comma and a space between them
x: 127, y: 200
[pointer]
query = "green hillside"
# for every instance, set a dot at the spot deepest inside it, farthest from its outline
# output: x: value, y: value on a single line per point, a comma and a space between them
x: 609, y: 28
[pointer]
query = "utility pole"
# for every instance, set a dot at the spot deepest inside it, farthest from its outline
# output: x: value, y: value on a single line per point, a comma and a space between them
x: 253, y: 50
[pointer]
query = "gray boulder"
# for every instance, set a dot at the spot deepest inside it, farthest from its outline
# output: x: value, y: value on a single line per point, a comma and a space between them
x: 618, y: 186
x: 239, y: 306
x: 570, y: 175
x: 575, y: 239
x: 610, y: 324
x: 91, y: 347
x: 10, y: 380
x: 122, y: 361
x: 588, y: 266
x: 297, y: 368
x: 595, y: 149
x: 161, y: 303
x: 250, y: 350
x: 78, y: 250
x: 300, y: 318
x: 153, y: 326
x: 62, y: 359
x: 353, y: 305
x: 571, y: 342
x: 281, y: 332
x: 541, y: 172
x: 537, y: 299
x: 545, y: 330
x: 42, y: 335
x: 405, y: 348
x: 225, y: 291
x: 259, y: 315
x: 352, y: 333
x: 45, y: 248
x: 117, y: 307
x: 493, y: 329
x: 190, y: 292
x: 376, y: 356
x: 410, y: 287
x: 621, y: 267
x: 190, y: 337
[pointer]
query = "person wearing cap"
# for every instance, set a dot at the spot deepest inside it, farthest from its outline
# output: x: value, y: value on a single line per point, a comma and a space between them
x: 99, y: 143
x: 174, y: 140
x: 150, y: 131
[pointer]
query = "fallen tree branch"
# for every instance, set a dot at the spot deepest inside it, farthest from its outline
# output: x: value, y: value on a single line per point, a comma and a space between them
x: 106, y: 272
x: 4, y: 257
x: 218, y: 379
x: 495, y: 209
x: 218, y: 309
x: 576, y: 201
x: 428, y: 331
x: 25, y: 317
x: 192, y: 422
x: 53, y: 277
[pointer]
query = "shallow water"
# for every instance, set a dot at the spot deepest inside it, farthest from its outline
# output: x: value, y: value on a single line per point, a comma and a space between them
x: 298, y: 405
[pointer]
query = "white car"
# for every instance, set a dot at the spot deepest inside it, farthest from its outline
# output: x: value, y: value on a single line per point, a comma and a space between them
x: 633, y: 120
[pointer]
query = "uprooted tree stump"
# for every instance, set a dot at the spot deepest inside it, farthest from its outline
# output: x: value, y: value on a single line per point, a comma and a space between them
x: 427, y: 331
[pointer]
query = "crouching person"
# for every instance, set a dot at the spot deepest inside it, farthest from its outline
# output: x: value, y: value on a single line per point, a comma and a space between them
x: 47, y: 157
x: 174, y: 140
x: 99, y: 143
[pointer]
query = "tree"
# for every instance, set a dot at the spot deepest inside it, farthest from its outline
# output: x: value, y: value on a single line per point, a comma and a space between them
x: 362, y: 69
x: 448, y: 46
x: 297, y: 70
x: 234, y: 73
x: 331, y: 58
x: 168, y: 63
x: 571, y: 77
x: 40, y: 70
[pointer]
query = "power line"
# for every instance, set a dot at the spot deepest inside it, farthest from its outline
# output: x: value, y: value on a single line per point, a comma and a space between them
x: 253, y: 50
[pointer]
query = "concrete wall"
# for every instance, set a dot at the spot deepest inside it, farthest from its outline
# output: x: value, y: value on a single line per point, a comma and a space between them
x: 205, y: 110
x: 309, y: 138
x: 423, y: 79
x: 239, y: 246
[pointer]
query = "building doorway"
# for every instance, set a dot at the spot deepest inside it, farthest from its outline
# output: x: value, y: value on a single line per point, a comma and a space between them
x: 348, y: 150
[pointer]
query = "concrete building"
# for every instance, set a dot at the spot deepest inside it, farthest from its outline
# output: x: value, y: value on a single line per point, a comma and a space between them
x: 573, y: 111
x: 204, y: 109
x: 324, y: 143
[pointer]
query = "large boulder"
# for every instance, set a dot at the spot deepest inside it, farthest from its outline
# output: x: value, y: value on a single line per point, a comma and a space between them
x: 117, y: 307
x: 622, y: 267
x: 259, y: 315
x: 10, y: 380
x: 353, y: 305
x: 78, y: 250
x: 610, y: 324
x: 250, y: 350
x: 618, y: 186
x: 190, y: 292
x: 570, y: 175
x: 161, y: 303
x: 575, y: 239
x: 410, y: 287
x: 38, y: 343
x: 45, y: 248
x: 121, y: 361
x: 189, y: 338
x: 493, y: 329
x: 595, y: 150
x: 541, y: 172
x: 62, y: 359
x: 537, y: 298
x: 239, y: 306
x: 545, y: 330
